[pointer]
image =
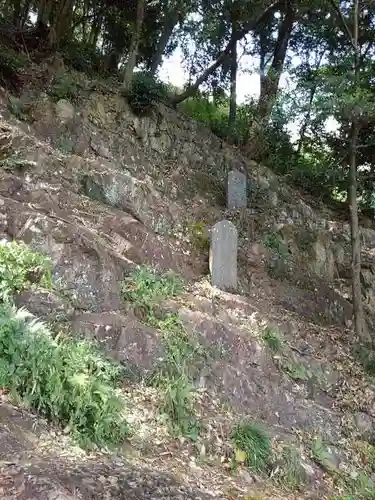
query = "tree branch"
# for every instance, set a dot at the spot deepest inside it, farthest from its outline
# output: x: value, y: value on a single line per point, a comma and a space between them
x: 343, y: 22
x: 249, y: 26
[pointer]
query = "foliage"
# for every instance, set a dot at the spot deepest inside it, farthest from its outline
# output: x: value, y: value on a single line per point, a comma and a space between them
x: 21, y: 268
x: 174, y: 377
x: 253, y: 442
x: 84, y: 58
x: 273, y: 339
x: 274, y: 242
x: 145, y: 93
x: 199, y: 236
x: 65, y: 86
x: 322, y: 455
x: 290, y: 473
x: 366, y: 355
x: 17, y: 107
x: 147, y: 289
x: 215, y: 117
x: 64, y: 380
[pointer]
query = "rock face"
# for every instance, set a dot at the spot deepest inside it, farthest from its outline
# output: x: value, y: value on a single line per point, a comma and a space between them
x: 127, y: 340
x: 102, y: 191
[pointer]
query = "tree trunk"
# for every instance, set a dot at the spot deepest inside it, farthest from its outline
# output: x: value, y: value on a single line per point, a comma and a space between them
x: 134, y: 46
x: 358, y: 314
x: 170, y: 21
x: 233, y: 81
x: 308, y: 112
x: 270, y: 82
x: 249, y: 26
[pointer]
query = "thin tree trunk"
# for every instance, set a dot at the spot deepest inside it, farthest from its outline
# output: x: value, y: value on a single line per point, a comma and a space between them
x: 270, y: 83
x: 306, y: 121
x: 171, y: 19
x: 249, y: 26
x: 233, y: 81
x: 358, y: 314
x: 134, y: 46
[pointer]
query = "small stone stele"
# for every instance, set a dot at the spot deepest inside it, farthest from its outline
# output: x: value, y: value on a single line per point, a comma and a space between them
x: 223, y: 255
x: 236, y: 190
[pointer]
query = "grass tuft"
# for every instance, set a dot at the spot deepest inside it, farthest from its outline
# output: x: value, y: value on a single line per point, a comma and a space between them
x: 291, y: 474
x: 255, y: 445
x: 64, y: 380
x: 146, y: 288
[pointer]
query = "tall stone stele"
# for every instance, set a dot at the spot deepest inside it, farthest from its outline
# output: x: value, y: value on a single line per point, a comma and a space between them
x: 236, y: 190
x: 223, y: 255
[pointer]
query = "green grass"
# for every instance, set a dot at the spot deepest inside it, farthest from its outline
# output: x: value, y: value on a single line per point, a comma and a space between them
x: 254, y: 443
x: 291, y: 474
x: 65, y: 380
x: 146, y: 288
x: 174, y: 377
x: 273, y: 339
x: 21, y: 268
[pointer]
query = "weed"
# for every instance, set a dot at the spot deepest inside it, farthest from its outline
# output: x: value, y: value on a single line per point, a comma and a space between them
x: 15, y: 162
x: 64, y: 380
x: 174, y: 376
x: 366, y: 355
x: 199, y: 236
x: 291, y: 473
x: 273, y: 339
x: 65, y: 86
x: 20, y: 268
x: 297, y: 371
x: 254, y: 443
x: 65, y: 145
x: 361, y: 488
x: 275, y: 243
x: 147, y: 289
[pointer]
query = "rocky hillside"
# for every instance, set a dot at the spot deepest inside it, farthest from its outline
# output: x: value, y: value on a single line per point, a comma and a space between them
x: 101, y: 192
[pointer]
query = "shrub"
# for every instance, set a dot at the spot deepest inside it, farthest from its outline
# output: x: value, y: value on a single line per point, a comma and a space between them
x: 145, y: 93
x: 65, y: 86
x: 20, y: 268
x: 63, y: 379
x: 253, y: 442
x: 83, y: 58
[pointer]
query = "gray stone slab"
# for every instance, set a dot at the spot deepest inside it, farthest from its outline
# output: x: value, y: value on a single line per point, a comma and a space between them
x: 223, y: 255
x: 236, y: 190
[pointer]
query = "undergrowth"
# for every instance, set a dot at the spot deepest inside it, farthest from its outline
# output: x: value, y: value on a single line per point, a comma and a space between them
x: 64, y: 380
x: 290, y: 474
x: 252, y: 445
x: 273, y: 339
x: 21, y: 268
x: 147, y: 289
x: 174, y: 377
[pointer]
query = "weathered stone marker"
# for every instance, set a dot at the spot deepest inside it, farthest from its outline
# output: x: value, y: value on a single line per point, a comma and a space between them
x: 236, y: 190
x: 223, y: 255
